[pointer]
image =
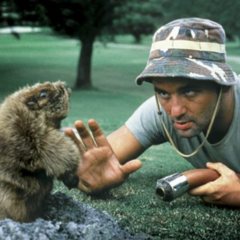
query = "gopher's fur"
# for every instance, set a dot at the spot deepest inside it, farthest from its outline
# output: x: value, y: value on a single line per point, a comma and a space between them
x: 32, y: 149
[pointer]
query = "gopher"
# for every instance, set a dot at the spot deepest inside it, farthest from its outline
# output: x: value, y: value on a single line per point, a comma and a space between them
x: 33, y: 150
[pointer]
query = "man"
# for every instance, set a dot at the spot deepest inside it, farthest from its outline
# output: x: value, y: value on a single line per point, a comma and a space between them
x: 195, y: 108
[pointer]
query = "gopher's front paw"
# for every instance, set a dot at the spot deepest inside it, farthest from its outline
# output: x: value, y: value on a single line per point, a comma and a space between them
x: 69, y: 179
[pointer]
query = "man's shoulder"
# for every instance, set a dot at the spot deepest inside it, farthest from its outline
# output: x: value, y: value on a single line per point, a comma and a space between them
x: 148, y: 105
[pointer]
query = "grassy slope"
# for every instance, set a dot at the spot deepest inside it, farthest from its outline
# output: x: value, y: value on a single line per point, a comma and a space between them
x: 134, y: 204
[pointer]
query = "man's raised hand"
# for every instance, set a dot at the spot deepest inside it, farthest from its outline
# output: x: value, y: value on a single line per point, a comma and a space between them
x: 99, y: 169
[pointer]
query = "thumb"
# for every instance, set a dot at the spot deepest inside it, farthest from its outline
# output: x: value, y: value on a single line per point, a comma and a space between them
x: 201, y: 190
x: 131, y: 166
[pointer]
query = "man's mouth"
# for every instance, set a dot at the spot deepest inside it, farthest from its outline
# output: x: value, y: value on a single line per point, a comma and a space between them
x: 182, y: 125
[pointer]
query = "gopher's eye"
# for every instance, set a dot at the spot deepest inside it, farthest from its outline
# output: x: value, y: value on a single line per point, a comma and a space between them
x: 43, y: 94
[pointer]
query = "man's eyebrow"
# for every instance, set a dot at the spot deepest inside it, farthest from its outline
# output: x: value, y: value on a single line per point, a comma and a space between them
x: 158, y: 90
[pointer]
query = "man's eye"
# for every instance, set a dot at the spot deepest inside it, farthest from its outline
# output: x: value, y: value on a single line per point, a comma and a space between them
x: 190, y: 93
x: 163, y: 95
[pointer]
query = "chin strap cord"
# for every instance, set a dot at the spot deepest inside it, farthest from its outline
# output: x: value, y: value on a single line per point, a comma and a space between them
x: 208, y: 130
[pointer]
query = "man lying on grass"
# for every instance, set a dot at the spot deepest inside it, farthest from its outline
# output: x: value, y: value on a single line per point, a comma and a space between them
x: 195, y: 108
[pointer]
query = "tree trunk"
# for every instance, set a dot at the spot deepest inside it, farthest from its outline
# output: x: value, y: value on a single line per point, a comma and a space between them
x: 84, y: 64
x: 137, y: 38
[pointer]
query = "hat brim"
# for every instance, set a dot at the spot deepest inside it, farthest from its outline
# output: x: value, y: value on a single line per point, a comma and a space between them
x: 197, y: 69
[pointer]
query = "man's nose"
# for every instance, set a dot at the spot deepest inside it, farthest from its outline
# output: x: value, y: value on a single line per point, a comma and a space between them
x: 177, y: 107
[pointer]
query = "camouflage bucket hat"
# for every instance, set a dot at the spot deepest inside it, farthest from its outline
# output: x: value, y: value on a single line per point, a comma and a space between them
x: 190, y: 48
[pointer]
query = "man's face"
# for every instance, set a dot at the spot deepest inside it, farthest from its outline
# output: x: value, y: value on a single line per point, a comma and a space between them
x: 189, y: 104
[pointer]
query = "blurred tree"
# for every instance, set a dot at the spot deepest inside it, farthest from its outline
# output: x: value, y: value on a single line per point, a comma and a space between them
x: 81, y: 19
x: 138, y: 17
x: 9, y: 17
x: 85, y: 20
x: 29, y: 12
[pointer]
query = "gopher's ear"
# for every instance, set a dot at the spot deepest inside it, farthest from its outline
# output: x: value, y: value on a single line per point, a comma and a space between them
x: 32, y: 103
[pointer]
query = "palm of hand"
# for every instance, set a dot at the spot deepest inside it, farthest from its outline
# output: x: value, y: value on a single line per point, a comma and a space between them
x: 99, y: 169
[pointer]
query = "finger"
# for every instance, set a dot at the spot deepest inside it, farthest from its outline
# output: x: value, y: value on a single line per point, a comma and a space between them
x: 97, y: 133
x: 85, y: 135
x: 131, y: 166
x: 205, y: 189
x: 71, y: 133
x: 83, y: 187
x: 220, y: 167
x: 208, y: 199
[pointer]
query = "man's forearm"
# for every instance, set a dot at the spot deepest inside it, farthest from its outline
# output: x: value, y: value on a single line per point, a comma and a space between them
x: 124, y: 145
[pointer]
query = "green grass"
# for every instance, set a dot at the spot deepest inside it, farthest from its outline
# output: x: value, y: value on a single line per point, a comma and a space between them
x: 45, y: 57
x: 233, y: 48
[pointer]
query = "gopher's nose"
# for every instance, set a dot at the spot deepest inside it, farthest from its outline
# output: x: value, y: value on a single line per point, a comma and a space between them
x: 63, y: 89
x: 69, y: 90
x: 66, y: 88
